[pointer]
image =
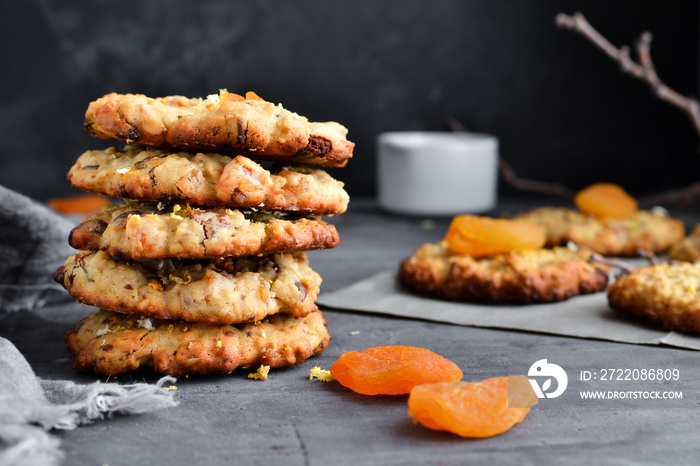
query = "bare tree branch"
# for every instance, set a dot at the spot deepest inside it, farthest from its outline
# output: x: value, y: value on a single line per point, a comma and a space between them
x: 529, y: 185
x: 644, y: 70
x: 678, y: 196
x: 514, y: 180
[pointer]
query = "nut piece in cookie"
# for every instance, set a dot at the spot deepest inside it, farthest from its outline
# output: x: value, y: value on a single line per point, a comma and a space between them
x: 666, y: 295
x: 225, y: 291
x: 139, y: 230
x: 207, y: 179
x: 223, y: 123
x: 108, y: 343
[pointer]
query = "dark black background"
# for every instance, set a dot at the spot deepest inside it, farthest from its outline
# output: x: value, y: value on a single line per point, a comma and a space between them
x: 562, y: 110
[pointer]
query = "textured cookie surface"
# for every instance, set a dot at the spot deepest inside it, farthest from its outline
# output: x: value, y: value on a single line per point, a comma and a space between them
x: 644, y: 230
x: 140, y: 230
x: 108, y: 343
x: 223, y: 123
x: 665, y: 295
x: 538, y: 276
x: 230, y: 290
x: 206, y: 179
x: 688, y: 249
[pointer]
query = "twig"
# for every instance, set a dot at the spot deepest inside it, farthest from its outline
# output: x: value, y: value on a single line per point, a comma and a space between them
x: 530, y: 185
x: 624, y: 266
x: 644, y: 70
x: 511, y: 178
x: 678, y: 196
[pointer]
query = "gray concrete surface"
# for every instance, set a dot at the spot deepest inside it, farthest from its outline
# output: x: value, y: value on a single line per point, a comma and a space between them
x: 293, y: 421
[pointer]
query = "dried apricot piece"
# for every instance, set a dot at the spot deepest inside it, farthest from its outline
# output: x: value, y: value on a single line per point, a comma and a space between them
x: 392, y: 370
x: 250, y: 95
x: 477, y: 236
x: 81, y: 204
x: 472, y: 409
x: 231, y: 97
x: 605, y: 200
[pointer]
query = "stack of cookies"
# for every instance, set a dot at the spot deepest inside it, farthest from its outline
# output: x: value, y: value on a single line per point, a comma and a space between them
x: 202, y: 268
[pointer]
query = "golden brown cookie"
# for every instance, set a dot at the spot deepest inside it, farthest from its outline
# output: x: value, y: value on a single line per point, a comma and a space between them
x: 536, y: 276
x: 108, y: 343
x: 643, y: 231
x: 226, y: 291
x: 687, y: 250
x: 223, y: 123
x: 207, y: 179
x: 138, y: 230
x: 667, y: 295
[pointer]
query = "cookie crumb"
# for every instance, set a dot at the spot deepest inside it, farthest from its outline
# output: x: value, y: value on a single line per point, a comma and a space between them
x: 145, y: 322
x: 320, y: 374
x: 260, y: 374
x: 427, y: 225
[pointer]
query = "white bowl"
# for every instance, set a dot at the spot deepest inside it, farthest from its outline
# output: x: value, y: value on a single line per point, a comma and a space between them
x: 436, y: 173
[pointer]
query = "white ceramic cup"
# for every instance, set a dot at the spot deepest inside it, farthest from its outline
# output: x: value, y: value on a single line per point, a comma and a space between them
x: 437, y: 173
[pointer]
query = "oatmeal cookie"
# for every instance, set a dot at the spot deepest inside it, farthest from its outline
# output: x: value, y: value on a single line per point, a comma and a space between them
x: 138, y: 230
x: 536, y: 276
x: 225, y: 291
x: 688, y: 249
x: 642, y: 231
x: 666, y: 295
x: 224, y: 123
x: 108, y: 343
x: 206, y: 180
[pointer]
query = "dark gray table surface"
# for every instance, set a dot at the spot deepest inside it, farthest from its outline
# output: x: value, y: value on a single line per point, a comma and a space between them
x: 293, y: 421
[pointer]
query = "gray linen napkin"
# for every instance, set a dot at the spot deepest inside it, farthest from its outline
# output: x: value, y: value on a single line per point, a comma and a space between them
x: 33, y: 244
x: 30, y: 406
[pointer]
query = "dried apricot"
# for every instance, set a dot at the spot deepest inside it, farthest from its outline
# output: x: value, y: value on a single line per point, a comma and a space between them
x: 476, y: 236
x: 392, y: 370
x: 472, y: 409
x: 232, y: 97
x: 605, y: 200
x: 250, y: 95
x: 82, y: 204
